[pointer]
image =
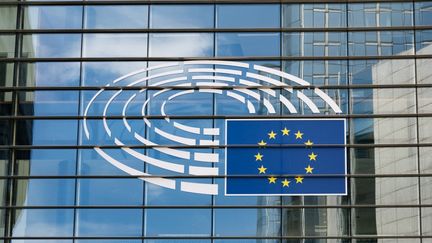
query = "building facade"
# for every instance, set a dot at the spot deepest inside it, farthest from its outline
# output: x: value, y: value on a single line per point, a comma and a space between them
x: 373, y: 58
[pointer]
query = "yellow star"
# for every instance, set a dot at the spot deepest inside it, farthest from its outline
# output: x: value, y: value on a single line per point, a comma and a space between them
x: 312, y: 156
x: 258, y: 157
x: 272, y: 135
x: 309, y: 169
x: 309, y: 143
x: 285, y: 183
x: 299, y: 135
x: 285, y: 131
x: 272, y: 180
x: 262, y: 143
x: 299, y: 179
x: 262, y: 169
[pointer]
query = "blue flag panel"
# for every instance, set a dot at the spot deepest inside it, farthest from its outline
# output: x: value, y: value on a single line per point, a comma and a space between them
x: 286, y: 157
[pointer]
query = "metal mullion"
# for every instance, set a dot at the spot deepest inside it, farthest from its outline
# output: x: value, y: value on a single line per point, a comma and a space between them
x: 400, y: 175
x: 217, y: 237
x: 27, y: 147
x: 197, y: 87
x: 216, y: 206
x: 198, y: 117
x: 138, y: 2
x: 216, y: 30
x: 228, y: 58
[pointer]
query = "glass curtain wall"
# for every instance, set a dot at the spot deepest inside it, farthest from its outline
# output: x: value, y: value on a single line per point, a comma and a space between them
x: 372, y: 58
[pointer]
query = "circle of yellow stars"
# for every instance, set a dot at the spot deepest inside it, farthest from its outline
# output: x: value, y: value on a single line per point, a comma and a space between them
x: 285, y: 182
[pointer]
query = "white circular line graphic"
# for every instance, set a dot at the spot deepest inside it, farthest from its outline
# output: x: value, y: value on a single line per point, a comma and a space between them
x: 209, y: 73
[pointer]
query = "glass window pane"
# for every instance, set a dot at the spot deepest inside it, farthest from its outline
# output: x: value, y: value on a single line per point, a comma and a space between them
x: 178, y: 222
x: 115, y: 45
x: 8, y: 17
x: 6, y: 74
x: 382, y: 71
x: 39, y: 192
x: 254, y: 222
x: 53, y: 17
x: 424, y: 96
x: 51, y: 45
x: 247, y: 44
x: 248, y: 16
x: 383, y: 130
x: 181, y: 16
x: 381, y: 43
x: 49, y: 74
x: 109, y: 222
x: 5, y: 103
x: 101, y: 73
x: 46, y: 162
x: 423, y: 42
x: 424, y: 72
x: 116, y: 17
x: 383, y: 101
x: 380, y: 14
x: 425, y: 133
x: 314, y: 44
x: 314, y: 15
x: 319, y: 72
x: 110, y: 191
x: 48, y: 103
x: 181, y: 45
x: 47, y: 132
x: 35, y: 222
x: 423, y: 13
x: 7, y: 46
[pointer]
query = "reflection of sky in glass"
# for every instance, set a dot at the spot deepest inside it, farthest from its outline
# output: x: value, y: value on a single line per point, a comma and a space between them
x: 50, y: 74
x: 181, y: 16
x: 181, y: 45
x: 115, y: 45
x: 116, y: 17
x: 53, y: 17
x: 51, y: 45
x: 248, y: 16
x: 247, y: 44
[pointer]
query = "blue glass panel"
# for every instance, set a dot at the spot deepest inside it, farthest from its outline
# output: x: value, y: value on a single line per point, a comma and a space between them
x: 423, y: 42
x: 181, y: 16
x: 247, y: 44
x: 47, y: 161
x: 53, y: 17
x: 109, y: 222
x: 381, y: 43
x: 314, y: 44
x: 49, y: 74
x: 108, y: 241
x: 48, y: 103
x: 115, y: 45
x: 314, y: 15
x: 35, y: 222
x: 110, y: 191
x: 423, y: 13
x: 47, y: 132
x: 319, y: 72
x: 178, y: 222
x: 181, y: 45
x: 380, y: 14
x: 46, y: 192
x: 51, y: 45
x: 102, y: 73
x: 248, y: 16
x: 253, y: 222
x: 116, y: 17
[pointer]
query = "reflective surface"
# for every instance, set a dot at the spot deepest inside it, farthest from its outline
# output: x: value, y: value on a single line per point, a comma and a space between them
x: 371, y: 58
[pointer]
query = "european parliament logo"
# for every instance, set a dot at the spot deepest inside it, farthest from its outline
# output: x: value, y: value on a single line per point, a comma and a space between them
x: 286, y: 157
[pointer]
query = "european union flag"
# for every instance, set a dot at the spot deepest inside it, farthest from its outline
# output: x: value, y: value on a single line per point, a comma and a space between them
x: 286, y: 157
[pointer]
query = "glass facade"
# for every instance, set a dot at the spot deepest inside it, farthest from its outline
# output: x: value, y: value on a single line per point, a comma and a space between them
x: 372, y: 58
